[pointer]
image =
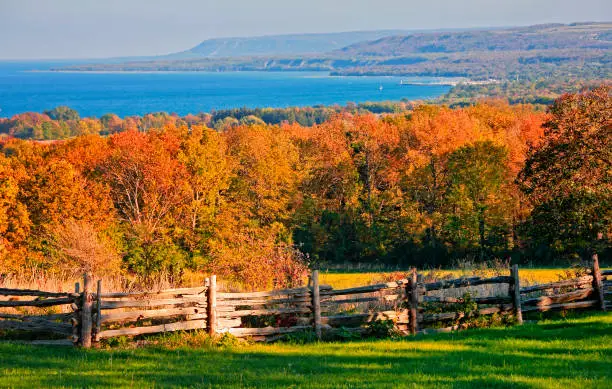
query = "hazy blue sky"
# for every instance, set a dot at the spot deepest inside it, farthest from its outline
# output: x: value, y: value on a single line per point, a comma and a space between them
x: 103, y: 28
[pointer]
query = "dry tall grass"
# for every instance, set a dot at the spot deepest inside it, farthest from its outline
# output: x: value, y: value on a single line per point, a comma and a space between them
x: 65, y: 281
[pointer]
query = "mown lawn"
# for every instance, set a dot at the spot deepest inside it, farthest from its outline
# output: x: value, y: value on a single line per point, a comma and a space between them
x: 567, y: 353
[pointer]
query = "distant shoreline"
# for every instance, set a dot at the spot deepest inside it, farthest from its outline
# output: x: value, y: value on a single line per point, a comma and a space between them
x: 452, y: 82
x: 404, y: 80
x: 175, y: 71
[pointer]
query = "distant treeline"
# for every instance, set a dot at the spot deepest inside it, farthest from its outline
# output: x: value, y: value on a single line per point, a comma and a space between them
x: 256, y: 203
x: 501, y: 65
x: 65, y: 122
x: 539, y: 92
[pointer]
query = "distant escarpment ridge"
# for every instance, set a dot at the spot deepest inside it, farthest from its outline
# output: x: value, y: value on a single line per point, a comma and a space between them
x: 273, y: 45
x: 582, y: 50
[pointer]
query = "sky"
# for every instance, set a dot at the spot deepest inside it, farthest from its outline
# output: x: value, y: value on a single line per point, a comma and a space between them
x: 55, y: 29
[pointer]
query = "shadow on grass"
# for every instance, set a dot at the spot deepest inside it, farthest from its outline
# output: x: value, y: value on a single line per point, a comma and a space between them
x: 550, y: 355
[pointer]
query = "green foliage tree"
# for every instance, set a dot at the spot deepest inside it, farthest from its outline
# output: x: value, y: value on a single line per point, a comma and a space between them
x: 63, y: 113
x: 568, y: 177
x: 477, y: 175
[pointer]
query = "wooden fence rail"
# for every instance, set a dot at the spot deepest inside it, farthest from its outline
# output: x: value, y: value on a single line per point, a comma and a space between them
x: 34, y: 314
x: 412, y: 306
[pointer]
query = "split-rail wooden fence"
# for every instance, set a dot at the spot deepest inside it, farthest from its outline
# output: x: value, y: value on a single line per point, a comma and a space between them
x: 414, y: 306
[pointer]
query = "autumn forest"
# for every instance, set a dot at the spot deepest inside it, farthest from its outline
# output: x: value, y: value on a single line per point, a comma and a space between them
x: 260, y: 203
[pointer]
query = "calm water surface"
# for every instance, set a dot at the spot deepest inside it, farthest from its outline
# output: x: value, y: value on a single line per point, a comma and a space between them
x: 94, y: 94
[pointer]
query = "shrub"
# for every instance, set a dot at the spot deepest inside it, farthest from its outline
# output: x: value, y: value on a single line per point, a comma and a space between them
x: 381, y: 329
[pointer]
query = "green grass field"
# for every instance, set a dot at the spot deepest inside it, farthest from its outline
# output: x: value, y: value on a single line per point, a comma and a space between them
x: 565, y: 353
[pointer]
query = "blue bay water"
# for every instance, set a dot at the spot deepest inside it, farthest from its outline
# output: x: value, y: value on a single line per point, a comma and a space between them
x: 26, y: 87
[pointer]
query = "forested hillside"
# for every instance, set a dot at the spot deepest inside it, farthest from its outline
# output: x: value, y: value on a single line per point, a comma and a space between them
x: 581, y: 50
x: 532, y: 38
x: 536, y: 53
x: 258, y: 203
x: 532, y: 64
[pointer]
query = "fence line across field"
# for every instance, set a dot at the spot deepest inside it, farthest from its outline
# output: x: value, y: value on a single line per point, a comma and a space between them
x: 269, y: 315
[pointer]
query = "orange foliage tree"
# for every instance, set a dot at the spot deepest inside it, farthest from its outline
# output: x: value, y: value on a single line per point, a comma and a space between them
x: 257, y: 203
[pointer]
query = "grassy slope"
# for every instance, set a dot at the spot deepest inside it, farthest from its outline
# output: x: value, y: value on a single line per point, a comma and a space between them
x: 557, y: 354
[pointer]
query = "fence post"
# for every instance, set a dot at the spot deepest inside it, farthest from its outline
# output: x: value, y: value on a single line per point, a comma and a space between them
x: 515, y: 292
x: 98, y: 312
x: 207, y: 285
x: 86, y: 324
x: 597, y: 284
x: 75, y: 320
x: 212, y: 305
x: 413, y: 301
x: 316, y: 303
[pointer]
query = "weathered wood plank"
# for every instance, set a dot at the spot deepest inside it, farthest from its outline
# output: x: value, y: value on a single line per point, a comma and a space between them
x: 196, y: 316
x: 37, y: 303
x: 584, y: 280
x: 391, y: 297
x: 37, y: 326
x: 152, y: 303
x: 150, y: 314
x: 157, y: 296
x: 491, y: 310
x: 178, y: 326
x: 305, y: 300
x: 199, y: 290
x: 223, y: 324
x: 365, y: 289
x: 52, y: 317
x: 363, y: 318
x: 262, y: 312
x: 477, y: 300
x: 431, y: 318
x: 350, y: 301
x: 273, y: 293
x: 560, y: 298
x: 243, y: 332
x: 465, y: 282
x: 32, y: 292
x: 341, y: 299
x: 565, y: 306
